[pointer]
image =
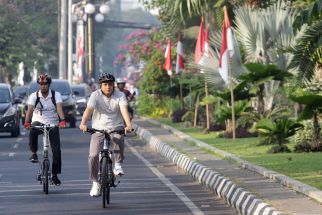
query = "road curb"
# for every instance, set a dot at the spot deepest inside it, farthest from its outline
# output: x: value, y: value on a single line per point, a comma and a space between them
x: 291, y: 183
x: 243, y: 201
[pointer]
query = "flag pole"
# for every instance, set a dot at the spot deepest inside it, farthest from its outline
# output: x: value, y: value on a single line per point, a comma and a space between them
x: 207, y: 105
x: 231, y: 97
x: 181, y: 94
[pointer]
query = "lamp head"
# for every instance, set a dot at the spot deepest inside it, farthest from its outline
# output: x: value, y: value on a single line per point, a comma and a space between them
x: 104, y: 9
x: 99, y: 17
x: 89, y: 8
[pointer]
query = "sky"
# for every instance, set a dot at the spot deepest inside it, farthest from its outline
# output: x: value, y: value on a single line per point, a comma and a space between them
x: 132, y: 4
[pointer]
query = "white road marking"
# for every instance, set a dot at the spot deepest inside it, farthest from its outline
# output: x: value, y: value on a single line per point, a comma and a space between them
x: 15, y: 146
x: 193, y: 208
x: 11, y: 154
x: 19, y: 139
x: 75, y: 193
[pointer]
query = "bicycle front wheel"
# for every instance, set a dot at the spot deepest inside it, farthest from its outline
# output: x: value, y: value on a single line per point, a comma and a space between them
x: 45, y: 175
x: 105, y: 182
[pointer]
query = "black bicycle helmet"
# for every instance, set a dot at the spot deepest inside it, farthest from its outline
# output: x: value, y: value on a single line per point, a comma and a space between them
x: 105, y: 77
x: 44, y: 79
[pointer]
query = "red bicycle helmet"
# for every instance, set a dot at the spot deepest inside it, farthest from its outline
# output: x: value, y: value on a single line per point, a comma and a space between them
x: 44, y: 79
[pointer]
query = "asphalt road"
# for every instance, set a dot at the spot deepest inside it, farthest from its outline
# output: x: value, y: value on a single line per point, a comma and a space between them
x: 151, y: 184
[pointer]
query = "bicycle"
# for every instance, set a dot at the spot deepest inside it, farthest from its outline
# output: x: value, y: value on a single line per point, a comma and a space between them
x: 44, y: 172
x: 106, y: 177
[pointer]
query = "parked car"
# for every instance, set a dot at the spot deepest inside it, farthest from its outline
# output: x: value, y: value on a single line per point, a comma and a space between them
x: 69, y: 103
x: 21, y: 92
x: 82, y: 93
x: 9, y: 111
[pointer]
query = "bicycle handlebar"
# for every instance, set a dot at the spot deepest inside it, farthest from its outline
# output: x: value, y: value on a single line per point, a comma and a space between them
x: 43, y: 126
x: 93, y: 130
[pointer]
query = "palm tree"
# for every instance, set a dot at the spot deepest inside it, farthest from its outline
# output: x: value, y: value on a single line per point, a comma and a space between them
x: 258, y: 75
x: 264, y: 34
x: 307, y: 62
x: 277, y: 132
x: 307, y: 59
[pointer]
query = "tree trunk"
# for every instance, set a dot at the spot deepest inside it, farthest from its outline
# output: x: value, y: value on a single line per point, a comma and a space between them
x: 260, y: 104
x: 196, y: 112
x: 316, y: 131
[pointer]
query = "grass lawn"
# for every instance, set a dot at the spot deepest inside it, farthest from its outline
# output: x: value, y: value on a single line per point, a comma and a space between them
x: 305, y: 167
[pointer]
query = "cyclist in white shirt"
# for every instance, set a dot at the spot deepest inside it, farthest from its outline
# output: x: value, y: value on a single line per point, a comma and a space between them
x: 109, y: 110
x: 45, y: 107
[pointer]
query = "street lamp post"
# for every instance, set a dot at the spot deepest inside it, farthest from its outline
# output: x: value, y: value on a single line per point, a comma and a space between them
x: 90, y: 11
x: 84, y: 13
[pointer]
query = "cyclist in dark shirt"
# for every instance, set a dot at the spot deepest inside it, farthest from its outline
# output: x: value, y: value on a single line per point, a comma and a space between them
x: 120, y: 83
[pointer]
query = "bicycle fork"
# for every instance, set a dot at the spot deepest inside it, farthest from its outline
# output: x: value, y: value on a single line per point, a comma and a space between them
x: 41, y: 174
x: 108, y: 154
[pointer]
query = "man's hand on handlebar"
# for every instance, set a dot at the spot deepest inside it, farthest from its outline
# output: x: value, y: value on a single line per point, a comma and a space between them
x: 27, y: 125
x: 62, y: 124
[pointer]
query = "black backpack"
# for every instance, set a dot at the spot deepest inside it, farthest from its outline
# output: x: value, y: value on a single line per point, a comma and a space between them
x: 53, y: 99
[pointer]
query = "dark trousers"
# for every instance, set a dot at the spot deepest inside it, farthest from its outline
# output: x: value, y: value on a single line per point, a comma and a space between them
x: 54, y: 144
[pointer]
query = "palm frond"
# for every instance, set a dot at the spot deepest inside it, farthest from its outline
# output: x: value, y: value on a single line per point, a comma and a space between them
x: 307, y: 52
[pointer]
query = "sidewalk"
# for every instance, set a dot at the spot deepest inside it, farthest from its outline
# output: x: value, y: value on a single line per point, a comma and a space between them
x: 245, y: 190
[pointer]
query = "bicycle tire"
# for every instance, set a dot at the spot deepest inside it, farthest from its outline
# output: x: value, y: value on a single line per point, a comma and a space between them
x: 45, y: 176
x: 111, y: 175
x: 105, y: 187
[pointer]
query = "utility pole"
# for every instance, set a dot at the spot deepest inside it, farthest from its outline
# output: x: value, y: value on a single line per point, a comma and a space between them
x: 90, y: 45
x: 70, y: 43
x: 63, y: 40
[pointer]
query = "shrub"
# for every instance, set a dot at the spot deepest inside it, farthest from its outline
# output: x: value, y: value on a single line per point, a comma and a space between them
x: 239, y: 132
x: 279, y: 148
x: 216, y: 127
x: 177, y: 115
x: 303, y: 138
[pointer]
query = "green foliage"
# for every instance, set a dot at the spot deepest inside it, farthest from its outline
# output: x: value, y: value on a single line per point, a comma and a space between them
x: 304, y: 134
x: 311, y: 97
x: 156, y: 79
x: 251, y: 116
x: 155, y: 106
x: 207, y: 100
x: 277, y: 131
x: 261, y: 73
x: 308, y: 53
x: 188, y: 116
x: 28, y: 33
x: 240, y: 93
x: 310, y: 12
x: 224, y: 112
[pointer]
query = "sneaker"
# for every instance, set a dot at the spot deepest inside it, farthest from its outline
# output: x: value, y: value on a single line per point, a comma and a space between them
x: 95, y: 191
x: 118, y: 169
x: 55, y: 180
x: 33, y: 158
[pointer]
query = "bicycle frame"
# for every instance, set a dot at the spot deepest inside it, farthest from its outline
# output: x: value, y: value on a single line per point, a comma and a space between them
x: 106, y: 176
x: 108, y: 153
x: 44, y: 171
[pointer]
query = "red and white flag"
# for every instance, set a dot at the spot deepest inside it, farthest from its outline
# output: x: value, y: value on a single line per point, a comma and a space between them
x: 80, y: 50
x: 167, y: 55
x: 227, y: 47
x: 180, y: 63
x: 200, y: 43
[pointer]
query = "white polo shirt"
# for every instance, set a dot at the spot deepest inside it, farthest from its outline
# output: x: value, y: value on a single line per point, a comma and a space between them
x: 107, y: 114
x: 48, y: 114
